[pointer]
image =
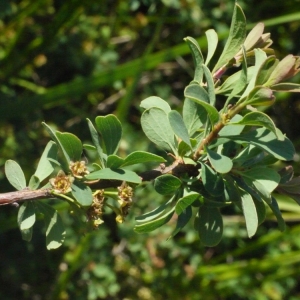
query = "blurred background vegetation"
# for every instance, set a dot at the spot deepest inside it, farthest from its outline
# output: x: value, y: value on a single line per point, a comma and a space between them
x: 64, y: 61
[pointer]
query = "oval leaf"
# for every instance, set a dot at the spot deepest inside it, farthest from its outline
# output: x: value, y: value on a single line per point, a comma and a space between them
x: 209, y: 225
x: 71, y: 145
x: 178, y: 126
x: 139, y: 157
x: 157, y: 102
x: 82, y: 193
x: 166, y: 184
x: 185, y: 202
x: 110, y: 129
x: 249, y: 211
x: 55, y: 232
x: 157, y: 128
x: 154, y: 224
x: 26, y: 215
x: 114, y: 174
x: 15, y: 175
x: 221, y: 163
x: 198, y: 94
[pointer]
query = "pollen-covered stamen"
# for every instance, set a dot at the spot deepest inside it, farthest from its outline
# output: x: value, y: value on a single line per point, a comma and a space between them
x: 96, y: 210
x: 62, y: 183
x: 78, y: 169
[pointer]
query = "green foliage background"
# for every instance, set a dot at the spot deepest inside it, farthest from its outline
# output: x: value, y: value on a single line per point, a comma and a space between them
x: 64, y: 61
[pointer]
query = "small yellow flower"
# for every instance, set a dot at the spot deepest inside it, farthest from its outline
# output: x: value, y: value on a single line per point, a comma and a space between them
x: 62, y: 183
x: 96, y: 210
x: 78, y: 169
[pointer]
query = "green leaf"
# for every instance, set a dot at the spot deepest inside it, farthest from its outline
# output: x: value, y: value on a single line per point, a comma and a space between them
x: 114, y: 161
x: 82, y: 193
x: 237, y: 35
x: 264, y: 179
x: 155, y: 213
x: 231, y: 130
x: 209, y: 225
x: 198, y: 94
x: 257, y: 118
x: 261, y: 210
x: 71, y: 144
x: 221, y: 163
x: 197, y: 57
x: 27, y: 234
x: 156, y: 126
x: 276, y: 211
x: 34, y: 182
x: 157, y: 102
x: 15, y: 175
x: 267, y: 140
x: 167, y: 184
x: 184, y: 202
x: 45, y: 168
x: 52, y: 134
x: 194, y: 115
x: 110, y: 129
x: 96, y: 142
x: 182, y: 220
x: 178, y: 126
x: 249, y: 211
x: 210, y: 85
x: 212, y: 182
x: 26, y: 215
x: 114, y: 174
x: 55, y: 232
x: 154, y: 224
x: 139, y: 157
x: 212, y: 43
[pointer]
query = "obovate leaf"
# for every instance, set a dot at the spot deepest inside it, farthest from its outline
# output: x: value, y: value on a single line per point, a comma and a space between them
x: 221, y: 163
x: 55, y: 232
x: 257, y: 118
x: 197, y: 56
x: 212, y: 43
x: 110, y: 129
x: 198, y: 94
x: 276, y: 211
x: 167, y: 184
x: 264, y: 179
x: 96, y: 141
x: 157, y: 102
x: 15, y: 175
x: 45, y: 167
x: 114, y: 174
x: 156, y: 126
x: 237, y: 35
x: 71, y: 145
x: 114, y: 161
x: 26, y: 215
x: 154, y: 224
x: 249, y: 211
x: 139, y: 157
x: 267, y: 140
x: 182, y: 220
x: 178, y: 126
x: 210, y: 85
x: 82, y: 193
x: 212, y: 182
x: 209, y: 225
x: 184, y: 202
x: 194, y: 115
